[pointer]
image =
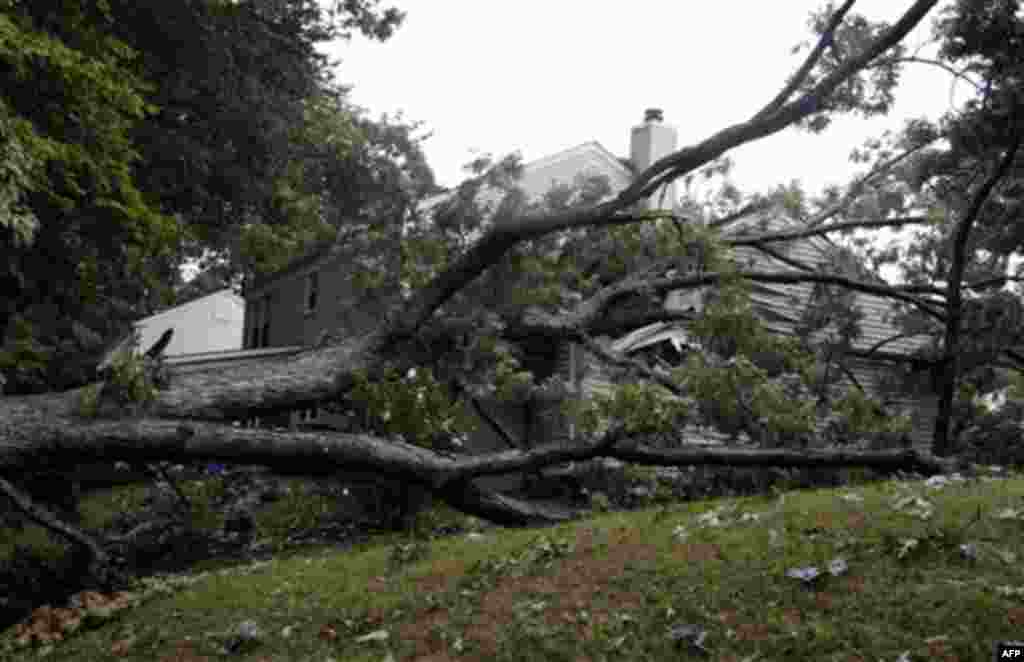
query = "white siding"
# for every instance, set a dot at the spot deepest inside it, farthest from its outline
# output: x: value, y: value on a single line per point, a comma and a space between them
x: 208, y: 324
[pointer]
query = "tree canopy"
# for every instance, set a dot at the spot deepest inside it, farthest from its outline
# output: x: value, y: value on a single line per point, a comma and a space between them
x: 127, y: 153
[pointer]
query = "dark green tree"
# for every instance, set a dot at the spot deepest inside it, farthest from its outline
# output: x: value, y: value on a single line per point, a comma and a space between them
x: 140, y: 135
x: 82, y: 242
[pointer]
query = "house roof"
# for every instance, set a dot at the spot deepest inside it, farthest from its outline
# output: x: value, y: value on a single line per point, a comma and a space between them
x: 780, y: 305
x: 589, y: 157
x: 170, y: 313
x: 229, y: 355
x: 591, y: 151
x: 204, y: 361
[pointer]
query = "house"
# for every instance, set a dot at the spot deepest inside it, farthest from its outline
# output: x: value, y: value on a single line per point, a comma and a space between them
x: 315, y: 294
x: 209, y: 323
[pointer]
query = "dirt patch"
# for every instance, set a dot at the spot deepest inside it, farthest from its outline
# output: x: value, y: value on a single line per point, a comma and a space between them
x: 583, y: 581
x: 856, y: 521
x: 446, y: 573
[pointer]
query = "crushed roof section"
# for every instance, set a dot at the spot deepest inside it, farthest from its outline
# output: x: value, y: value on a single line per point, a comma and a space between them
x: 781, y: 304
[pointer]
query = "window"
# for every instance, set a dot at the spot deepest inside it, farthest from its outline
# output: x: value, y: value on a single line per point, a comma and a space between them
x: 254, y: 324
x: 265, y: 339
x: 259, y: 329
x: 312, y: 291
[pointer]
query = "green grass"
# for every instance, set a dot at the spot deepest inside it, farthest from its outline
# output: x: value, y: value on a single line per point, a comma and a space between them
x: 933, y: 573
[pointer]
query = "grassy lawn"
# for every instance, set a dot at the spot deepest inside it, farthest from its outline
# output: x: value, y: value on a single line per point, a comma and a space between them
x: 905, y: 571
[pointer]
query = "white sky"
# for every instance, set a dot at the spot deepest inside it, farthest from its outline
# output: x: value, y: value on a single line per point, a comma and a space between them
x: 540, y: 76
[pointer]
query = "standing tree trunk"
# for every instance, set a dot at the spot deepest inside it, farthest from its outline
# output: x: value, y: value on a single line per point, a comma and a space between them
x: 942, y: 441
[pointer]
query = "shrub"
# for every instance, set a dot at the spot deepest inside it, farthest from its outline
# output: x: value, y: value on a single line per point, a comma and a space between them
x: 997, y: 437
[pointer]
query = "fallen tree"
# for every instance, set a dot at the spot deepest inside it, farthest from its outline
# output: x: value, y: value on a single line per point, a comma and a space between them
x: 185, y: 417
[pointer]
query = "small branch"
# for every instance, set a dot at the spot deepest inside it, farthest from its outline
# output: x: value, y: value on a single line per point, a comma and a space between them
x: 922, y: 289
x: 989, y: 283
x: 796, y: 264
x: 999, y: 281
x: 824, y: 229
x: 160, y: 473
x: 144, y: 528
x: 960, y: 75
x: 885, y: 341
x: 826, y: 40
x: 99, y: 559
x: 858, y: 186
x: 752, y: 208
x: 494, y: 425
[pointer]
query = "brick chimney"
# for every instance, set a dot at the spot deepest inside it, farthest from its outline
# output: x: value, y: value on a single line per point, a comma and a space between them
x: 649, y: 142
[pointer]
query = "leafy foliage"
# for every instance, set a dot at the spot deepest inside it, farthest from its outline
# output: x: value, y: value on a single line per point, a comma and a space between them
x: 868, y: 93
x: 858, y: 418
x: 70, y: 100
x: 132, y: 383
x: 413, y: 406
x: 125, y: 154
x: 635, y: 410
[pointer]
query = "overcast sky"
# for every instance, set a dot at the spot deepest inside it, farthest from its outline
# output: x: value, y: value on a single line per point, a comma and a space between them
x: 541, y: 76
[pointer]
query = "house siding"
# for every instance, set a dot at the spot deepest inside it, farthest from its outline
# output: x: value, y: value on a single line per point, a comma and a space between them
x: 338, y: 308
x: 210, y: 323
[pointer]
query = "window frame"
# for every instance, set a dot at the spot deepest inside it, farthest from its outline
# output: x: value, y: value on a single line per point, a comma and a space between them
x: 312, y: 294
x: 265, y: 327
x: 254, y: 323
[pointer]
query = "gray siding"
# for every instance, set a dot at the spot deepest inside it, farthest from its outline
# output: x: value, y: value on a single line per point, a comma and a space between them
x: 781, y: 306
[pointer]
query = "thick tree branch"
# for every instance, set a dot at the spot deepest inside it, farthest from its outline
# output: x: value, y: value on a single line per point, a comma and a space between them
x: 825, y: 41
x: 685, y: 160
x: 61, y: 445
x: 704, y: 455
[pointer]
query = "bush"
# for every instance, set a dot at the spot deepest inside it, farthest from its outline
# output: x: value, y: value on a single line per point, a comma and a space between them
x: 997, y: 438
